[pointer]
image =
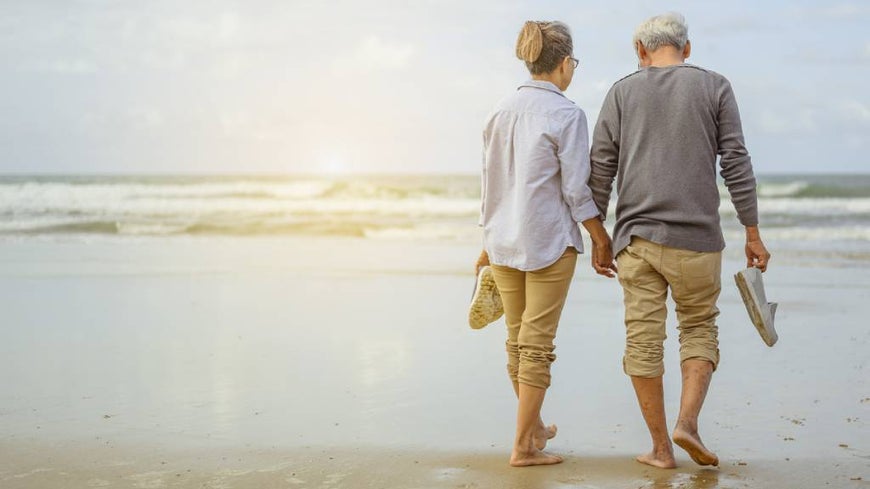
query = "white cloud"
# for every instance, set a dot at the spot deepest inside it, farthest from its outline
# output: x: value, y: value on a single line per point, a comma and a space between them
x: 375, y: 54
x: 63, y: 66
x: 145, y: 117
x: 844, y: 11
x: 838, y: 12
x: 228, y: 25
x: 854, y: 111
x: 787, y: 123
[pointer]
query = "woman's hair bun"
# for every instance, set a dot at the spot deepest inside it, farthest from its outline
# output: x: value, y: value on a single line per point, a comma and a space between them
x: 531, y: 42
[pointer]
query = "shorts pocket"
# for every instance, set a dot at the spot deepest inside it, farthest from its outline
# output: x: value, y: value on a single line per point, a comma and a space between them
x: 630, y: 264
x: 700, y: 270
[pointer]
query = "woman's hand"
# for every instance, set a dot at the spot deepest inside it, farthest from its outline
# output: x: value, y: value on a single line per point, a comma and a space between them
x: 602, y: 258
x: 482, y: 261
x: 602, y: 251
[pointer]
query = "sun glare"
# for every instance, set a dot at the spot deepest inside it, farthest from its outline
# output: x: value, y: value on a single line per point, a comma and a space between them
x: 332, y: 164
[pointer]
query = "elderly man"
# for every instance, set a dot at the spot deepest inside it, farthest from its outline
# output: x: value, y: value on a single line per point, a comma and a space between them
x: 659, y: 133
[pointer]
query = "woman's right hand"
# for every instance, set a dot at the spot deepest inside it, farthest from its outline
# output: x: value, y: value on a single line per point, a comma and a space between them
x: 602, y: 258
x: 602, y: 247
x: 482, y: 261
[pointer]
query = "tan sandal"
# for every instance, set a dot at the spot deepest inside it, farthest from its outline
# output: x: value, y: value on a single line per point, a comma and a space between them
x: 486, y: 305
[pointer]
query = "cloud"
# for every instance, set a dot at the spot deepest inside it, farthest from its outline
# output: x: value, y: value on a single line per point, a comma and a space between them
x: 375, y: 54
x: 844, y: 11
x: 854, y: 111
x: 838, y: 12
x: 145, y: 117
x: 62, y: 66
x: 781, y: 123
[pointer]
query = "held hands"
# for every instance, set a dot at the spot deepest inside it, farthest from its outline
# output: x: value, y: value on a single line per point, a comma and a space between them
x: 756, y: 254
x: 482, y: 261
x: 602, y: 258
x: 602, y: 248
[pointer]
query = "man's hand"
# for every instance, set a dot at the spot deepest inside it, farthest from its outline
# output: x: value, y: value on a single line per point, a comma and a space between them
x: 602, y: 258
x: 756, y: 254
x: 482, y: 261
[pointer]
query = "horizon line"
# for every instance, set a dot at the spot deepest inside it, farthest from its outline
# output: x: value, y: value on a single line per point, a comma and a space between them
x: 346, y: 174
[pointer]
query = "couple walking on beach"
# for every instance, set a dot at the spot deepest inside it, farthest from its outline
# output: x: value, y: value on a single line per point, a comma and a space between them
x: 658, y: 134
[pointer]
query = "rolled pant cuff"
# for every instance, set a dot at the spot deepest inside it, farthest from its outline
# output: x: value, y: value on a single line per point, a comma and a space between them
x: 644, y: 370
x: 513, y: 372
x: 540, y: 381
x: 712, y: 358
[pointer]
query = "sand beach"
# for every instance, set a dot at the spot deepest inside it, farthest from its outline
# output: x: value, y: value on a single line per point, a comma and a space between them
x: 347, y: 362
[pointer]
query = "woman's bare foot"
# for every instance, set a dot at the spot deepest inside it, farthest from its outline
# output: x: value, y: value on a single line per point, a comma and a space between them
x: 535, y: 457
x: 661, y: 458
x: 543, y: 434
x: 691, y: 443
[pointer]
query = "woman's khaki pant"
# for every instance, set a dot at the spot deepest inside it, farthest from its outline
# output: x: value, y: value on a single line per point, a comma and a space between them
x: 646, y: 270
x: 533, y: 303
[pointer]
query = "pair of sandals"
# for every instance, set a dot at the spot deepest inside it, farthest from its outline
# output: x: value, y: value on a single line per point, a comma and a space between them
x: 486, y: 305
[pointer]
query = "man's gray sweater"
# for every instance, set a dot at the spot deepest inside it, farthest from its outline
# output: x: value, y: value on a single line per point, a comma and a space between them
x: 659, y: 132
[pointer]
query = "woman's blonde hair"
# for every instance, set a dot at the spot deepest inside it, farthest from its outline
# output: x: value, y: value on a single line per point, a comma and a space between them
x: 543, y: 45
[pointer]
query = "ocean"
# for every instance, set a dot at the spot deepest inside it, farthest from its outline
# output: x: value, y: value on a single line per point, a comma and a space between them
x: 823, y: 216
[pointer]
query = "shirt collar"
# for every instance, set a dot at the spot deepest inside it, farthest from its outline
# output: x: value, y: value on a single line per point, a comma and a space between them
x: 543, y: 85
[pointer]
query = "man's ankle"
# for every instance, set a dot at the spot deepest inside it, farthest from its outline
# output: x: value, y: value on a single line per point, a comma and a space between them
x: 688, y: 424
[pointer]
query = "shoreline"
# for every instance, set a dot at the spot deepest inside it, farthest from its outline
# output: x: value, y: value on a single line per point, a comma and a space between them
x: 26, y: 466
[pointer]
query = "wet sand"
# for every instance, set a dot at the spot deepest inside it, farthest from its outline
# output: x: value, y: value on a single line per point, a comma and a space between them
x: 347, y: 363
x: 110, y: 466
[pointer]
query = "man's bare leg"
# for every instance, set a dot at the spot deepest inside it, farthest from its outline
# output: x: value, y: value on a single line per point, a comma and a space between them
x: 696, y: 379
x: 542, y: 433
x: 525, y: 452
x: 651, y: 398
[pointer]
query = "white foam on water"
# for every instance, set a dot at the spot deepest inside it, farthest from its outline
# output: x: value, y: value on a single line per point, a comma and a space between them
x: 806, y: 206
x: 387, y: 208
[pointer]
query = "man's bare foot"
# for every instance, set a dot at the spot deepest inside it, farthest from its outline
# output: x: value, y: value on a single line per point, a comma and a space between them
x: 691, y: 443
x: 535, y: 457
x: 663, y: 459
x: 543, y: 434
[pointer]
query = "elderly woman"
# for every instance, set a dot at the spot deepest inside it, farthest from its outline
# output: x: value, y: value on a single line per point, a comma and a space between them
x: 534, y: 194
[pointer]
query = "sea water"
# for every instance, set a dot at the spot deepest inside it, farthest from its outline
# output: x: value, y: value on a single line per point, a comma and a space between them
x: 809, y: 217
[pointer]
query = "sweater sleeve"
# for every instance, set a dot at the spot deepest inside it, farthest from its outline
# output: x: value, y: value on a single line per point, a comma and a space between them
x: 735, y: 163
x: 605, y: 153
x: 573, y: 156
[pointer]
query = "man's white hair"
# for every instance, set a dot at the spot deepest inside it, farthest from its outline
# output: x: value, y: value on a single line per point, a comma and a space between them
x: 668, y: 29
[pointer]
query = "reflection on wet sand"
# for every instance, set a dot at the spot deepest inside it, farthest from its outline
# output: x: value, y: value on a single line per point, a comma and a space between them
x: 702, y: 479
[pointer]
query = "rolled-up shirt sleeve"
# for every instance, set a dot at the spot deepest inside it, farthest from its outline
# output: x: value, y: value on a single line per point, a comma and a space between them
x: 573, y: 153
x: 482, y: 183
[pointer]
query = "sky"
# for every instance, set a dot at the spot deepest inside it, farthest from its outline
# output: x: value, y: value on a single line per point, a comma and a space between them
x: 296, y: 86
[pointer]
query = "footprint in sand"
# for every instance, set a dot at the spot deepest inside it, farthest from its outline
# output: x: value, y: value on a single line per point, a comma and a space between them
x: 448, y: 473
x: 333, y: 479
x: 148, y: 480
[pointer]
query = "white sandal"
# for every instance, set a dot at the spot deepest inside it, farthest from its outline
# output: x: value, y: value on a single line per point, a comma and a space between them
x: 760, y: 311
